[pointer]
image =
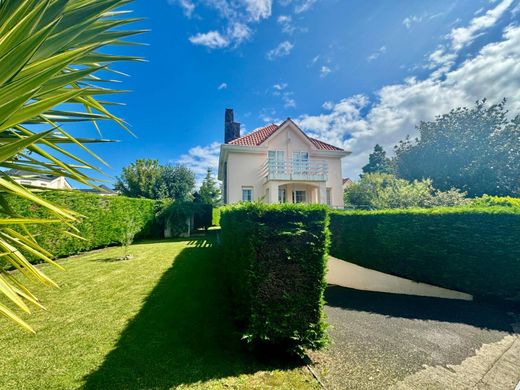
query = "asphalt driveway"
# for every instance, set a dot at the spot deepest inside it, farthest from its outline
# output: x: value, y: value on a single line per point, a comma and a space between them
x: 382, y: 341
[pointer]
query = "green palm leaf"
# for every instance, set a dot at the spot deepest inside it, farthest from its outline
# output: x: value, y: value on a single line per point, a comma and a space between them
x: 49, y: 58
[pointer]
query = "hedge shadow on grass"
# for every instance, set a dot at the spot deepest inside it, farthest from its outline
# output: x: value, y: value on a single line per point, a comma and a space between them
x: 183, y: 333
x: 479, y: 314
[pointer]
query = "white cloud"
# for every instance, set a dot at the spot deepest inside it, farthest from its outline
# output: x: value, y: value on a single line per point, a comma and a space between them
x: 222, y: 86
x: 238, y: 16
x: 286, y: 22
x: 358, y: 124
x: 200, y: 158
x: 303, y: 6
x: 325, y: 71
x: 328, y: 105
x: 259, y: 9
x: 187, y: 6
x: 282, y: 50
x: 287, y: 97
x: 462, y: 36
x: 410, y: 20
x: 280, y: 86
x: 211, y: 39
x: 375, y: 55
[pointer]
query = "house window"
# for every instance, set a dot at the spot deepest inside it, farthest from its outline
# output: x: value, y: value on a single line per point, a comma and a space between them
x: 276, y: 161
x: 300, y: 162
x: 329, y: 196
x: 247, y: 194
x: 43, y: 184
x: 281, y: 195
x: 299, y: 196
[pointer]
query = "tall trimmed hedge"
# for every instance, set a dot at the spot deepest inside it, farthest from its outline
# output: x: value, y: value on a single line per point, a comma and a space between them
x: 105, y: 216
x: 275, y: 256
x: 470, y: 249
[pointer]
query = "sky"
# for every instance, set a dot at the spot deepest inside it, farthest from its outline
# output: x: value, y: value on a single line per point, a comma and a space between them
x: 353, y: 73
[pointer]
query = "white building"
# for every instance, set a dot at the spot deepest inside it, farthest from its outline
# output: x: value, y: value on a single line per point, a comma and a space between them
x: 279, y: 164
x: 31, y: 179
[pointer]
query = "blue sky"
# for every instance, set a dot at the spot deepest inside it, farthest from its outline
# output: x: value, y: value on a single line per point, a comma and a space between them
x: 351, y: 72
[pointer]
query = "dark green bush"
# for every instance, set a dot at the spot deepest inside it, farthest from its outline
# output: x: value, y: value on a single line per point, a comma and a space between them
x: 104, y: 219
x: 470, y: 249
x: 276, y: 261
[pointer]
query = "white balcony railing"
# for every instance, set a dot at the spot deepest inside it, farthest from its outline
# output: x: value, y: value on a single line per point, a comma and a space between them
x: 313, y: 170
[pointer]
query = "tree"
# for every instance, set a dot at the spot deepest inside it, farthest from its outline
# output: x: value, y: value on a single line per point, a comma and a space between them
x: 141, y: 179
x: 177, y: 182
x: 50, y: 67
x: 378, y: 162
x: 385, y: 191
x: 474, y: 149
x: 209, y: 190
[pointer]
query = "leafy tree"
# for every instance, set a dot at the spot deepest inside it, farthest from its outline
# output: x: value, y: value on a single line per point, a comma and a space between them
x: 51, y: 53
x: 384, y: 191
x: 378, y: 162
x: 474, y: 149
x: 209, y: 190
x: 147, y: 179
x: 177, y: 182
x: 141, y: 179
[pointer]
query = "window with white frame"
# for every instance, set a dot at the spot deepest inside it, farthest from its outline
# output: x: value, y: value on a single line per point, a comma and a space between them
x: 281, y: 195
x: 329, y: 196
x: 247, y: 194
x: 299, y: 196
x: 300, y: 162
x: 277, y: 161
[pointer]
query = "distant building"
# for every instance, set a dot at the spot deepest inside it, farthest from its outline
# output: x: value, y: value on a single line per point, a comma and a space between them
x: 31, y: 179
x: 347, y: 182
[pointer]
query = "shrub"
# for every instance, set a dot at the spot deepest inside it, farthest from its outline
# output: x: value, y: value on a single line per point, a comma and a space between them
x: 470, y: 249
x: 275, y: 256
x: 384, y: 191
x: 215, y: 220
x: 487, y: 201
x: 103, y: 224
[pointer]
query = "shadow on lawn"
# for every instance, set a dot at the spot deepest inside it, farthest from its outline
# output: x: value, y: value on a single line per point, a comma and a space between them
x: 183, y: 333
x: 478, y: 314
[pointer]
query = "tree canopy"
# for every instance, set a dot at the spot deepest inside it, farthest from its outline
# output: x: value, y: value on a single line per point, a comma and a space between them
x: 209, y: 192
x: 145, y: 178
x: 474, y: 149
x: 378, y: 162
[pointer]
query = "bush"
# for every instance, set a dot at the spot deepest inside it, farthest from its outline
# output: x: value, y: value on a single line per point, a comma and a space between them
x: 470, y: 249
x: 489, y: 201
x: 385, y: 191
x: 215, y: 220
x: 276, y: 259
x: 103, y: 224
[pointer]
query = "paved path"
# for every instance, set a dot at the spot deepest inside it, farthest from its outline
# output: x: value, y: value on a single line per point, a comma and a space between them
x: 388, y: 341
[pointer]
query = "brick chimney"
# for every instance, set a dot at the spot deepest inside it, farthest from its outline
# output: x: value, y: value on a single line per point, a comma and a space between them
x: 231, y: 128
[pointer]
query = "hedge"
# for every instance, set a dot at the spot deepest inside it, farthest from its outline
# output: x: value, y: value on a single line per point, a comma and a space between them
x: 275, y: 256
x: 470, y: 249
x: 105, y: 216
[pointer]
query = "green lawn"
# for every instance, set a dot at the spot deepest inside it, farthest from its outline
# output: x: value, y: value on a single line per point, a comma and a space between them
x: 158, y: 321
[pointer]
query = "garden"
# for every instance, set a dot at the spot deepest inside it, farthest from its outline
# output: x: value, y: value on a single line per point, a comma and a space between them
x: 159, y: 285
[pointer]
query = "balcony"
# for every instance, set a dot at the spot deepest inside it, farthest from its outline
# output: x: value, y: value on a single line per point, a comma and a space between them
x: 313, y: 170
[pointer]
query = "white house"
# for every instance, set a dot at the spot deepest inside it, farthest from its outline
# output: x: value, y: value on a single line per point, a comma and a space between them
x: 32, y: 179
x: 279, y: 164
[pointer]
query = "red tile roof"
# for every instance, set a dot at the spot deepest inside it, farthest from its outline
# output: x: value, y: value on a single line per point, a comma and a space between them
x: 256, y: 137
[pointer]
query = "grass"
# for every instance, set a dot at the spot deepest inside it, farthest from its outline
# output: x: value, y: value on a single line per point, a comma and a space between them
x: 158, y: 321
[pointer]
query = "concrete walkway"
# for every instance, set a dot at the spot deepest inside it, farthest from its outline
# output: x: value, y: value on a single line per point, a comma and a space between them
x: 390, y: 341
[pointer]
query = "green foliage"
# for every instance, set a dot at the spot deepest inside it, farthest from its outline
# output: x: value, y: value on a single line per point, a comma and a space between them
x: 209, y: 192
x: 470, y: 249
x: 474, y: 149
x: 104, y: 222
x: 145, y: 178
x: 384, y: 191
x: 215, y: 220
x: 276, y: 259
x: 378, y: 162
x: 176, y: 217
x: 489, y: 201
